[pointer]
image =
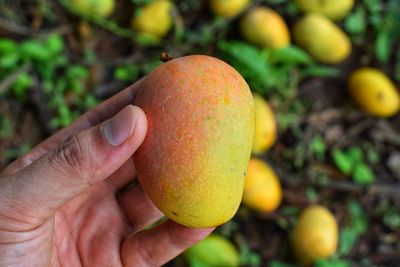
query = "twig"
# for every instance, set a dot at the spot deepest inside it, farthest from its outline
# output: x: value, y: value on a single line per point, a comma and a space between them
x: 26, y: 31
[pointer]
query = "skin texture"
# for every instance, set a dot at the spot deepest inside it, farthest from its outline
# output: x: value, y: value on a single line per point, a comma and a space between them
x: 214, y: 251
x: 193, y: 161
x: 322, y: 39
x: 333, y: 9
x: 264, y: 27
x: 66, y: 202
x: 101, y: 8
x: 154, y: 19
x: 374, y: 92
x: 262, y: 189
x: 315, y: 235
x: 265, y: 132
x: 228, y: 8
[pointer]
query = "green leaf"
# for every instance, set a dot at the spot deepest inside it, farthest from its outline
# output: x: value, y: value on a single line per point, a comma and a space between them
x: 331, y: 263
x: 362, y: 174
x: 356, y: 22
x: 276, y: 263
x: 22, y: 85
x: 290, y: 55
x: 382, y: 46
x: 355, y: 154
x: 127, y: 73
x: 54, y: 44
x: 342, y: 161
x: 35, y: 50
x: 318, y: 147
x: 7, y: 46
x: 391, y: 218
x: 320, y: 71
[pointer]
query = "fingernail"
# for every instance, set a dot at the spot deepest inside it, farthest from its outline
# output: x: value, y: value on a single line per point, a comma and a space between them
x: 120, y: 127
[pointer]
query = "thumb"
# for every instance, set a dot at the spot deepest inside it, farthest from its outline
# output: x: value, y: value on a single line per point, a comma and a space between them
x: 83, y: 160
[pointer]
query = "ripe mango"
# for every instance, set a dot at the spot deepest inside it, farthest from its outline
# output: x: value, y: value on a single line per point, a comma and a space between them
x: 264, y: 27
x: 154, y: 19
x: 228, y: 8
x: 265, y: 128
x: 262, y: 189
x: 315, y: 235
x: 333, y: 9
x: 214, y: 251
x: 374, y: 92
x: 193, y: 161
x: 321, y: 38
x: 101, y: 8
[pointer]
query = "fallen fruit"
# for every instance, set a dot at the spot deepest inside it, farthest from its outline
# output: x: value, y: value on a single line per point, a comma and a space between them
x: 315, y: 236
x: 154, y: 19
x: 228, y: 8
x: 265, y: 127
x: 101, y: 8
x: 321, y: 38
x: 194, y: 158
x: 333, y: 9
x: 262, y: 189
x: 374, y: 92
x: 214, y: 251
x: 264, y: 27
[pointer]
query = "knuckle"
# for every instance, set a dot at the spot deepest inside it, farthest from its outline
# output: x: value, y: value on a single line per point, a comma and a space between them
x: 73, y: 154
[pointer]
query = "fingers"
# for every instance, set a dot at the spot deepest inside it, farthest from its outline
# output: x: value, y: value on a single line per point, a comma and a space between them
x: 102, y: 112
x: 83, y: 160
x: 139, y: 209
x: 157, y: 246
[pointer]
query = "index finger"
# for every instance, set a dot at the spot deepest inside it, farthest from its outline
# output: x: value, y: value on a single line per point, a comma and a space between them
x: 98, y: 114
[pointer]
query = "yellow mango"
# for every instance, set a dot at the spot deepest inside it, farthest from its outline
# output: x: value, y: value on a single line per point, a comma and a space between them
x: 264, y: 27
x: 193, y: 161
x: 333, y: 9
x: 154, y: 19
x: 315, y: 235
x: 374, y: 92
x: 228, y: 8
x: 265, y: 132
x: 262, y: 189
x: 214, y: 251
x: 321, y: 38
x: 101, y: 8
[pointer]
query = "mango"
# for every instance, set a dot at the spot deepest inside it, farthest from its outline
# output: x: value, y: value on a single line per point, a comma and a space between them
x: 102, y: 8
x: 264, y: 27
x: 374, y: 92
x: 333, y: 9
x: 154, y: 19
x: 262, y: 189
x: 322, y: 39
x: 228, y: 8
x: 265, y: 132
x: 193, y: 161
x: 214, y: 251
x: 315, y: 235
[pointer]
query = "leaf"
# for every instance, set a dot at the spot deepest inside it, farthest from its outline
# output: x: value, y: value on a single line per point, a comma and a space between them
x: 391, y: 218
x: 355, y: 154
x: 331, y: 263
x: 128, y: 73
x: 22, y: 85
x: 290, y: 55
x: 55, y: 44
x: 320, y: 71
x: 356, y: 22
x: 276, y: 263
x: 383, y: 44
x: 362, y: 174
x: 318, y: 147
x: 342, y: 161
x: 35, y: 50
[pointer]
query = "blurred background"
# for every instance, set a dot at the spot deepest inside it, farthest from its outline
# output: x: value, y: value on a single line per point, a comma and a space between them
x: 323, y: 185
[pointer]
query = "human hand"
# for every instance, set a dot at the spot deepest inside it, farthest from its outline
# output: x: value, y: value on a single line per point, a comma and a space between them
x: 62, y: 205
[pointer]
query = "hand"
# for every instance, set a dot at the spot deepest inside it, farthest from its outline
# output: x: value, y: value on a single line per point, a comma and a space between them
x: 61, y: 204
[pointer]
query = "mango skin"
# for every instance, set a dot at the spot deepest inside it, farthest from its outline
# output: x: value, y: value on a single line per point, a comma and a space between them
x: 321, y: 38
x: 265, y: 132
x: 315, y: 235
x: 154, y: 19
x: 228, y: 8
x: 374, y: 92
x: 333, y: 9
x: 264, y: 27
x: 102, y: 8
x: 193, y: 161
x: 262, y: 189
x: 214, y: 251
